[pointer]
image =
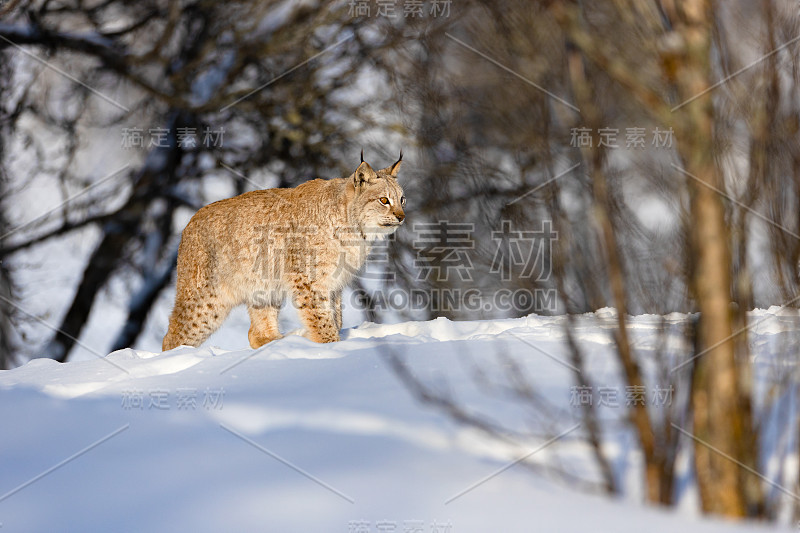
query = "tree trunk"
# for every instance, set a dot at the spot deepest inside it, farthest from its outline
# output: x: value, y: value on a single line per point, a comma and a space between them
x: 6, y: 282
x: 158, y: 171
x: 639, y: 417
x: 719, y: 421
x: 6, y: 315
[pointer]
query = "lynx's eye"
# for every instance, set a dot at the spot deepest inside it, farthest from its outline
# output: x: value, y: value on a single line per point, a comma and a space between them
x: 383, y: 200
x: 402, y: 200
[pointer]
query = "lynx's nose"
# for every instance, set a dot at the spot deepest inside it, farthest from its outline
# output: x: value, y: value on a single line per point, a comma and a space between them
x: 400, y: 216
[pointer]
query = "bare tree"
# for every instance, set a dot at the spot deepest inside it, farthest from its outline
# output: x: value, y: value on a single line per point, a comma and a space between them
x: 242, y: 71
x: 517, y: 126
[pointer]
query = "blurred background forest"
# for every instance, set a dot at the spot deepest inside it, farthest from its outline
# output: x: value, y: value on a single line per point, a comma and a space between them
x: 566, y: 155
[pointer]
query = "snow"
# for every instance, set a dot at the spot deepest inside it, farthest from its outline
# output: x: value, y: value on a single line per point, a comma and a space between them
x: 305, y: 437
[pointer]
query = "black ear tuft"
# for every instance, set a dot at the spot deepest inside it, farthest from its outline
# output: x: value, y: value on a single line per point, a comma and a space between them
x: 362, y: 155
x: 394, y: 168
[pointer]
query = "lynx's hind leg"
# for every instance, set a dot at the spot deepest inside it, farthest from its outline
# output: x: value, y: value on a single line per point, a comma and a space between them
x: 201, y: 302
x: 263, y: 325
x: 193, y: 321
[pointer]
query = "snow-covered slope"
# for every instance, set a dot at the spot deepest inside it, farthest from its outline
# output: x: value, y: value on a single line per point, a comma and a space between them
x: 303, y: 437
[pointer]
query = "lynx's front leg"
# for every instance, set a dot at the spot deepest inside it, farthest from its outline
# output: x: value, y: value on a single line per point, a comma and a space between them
x: 316, y: 310
x: 263, y: 325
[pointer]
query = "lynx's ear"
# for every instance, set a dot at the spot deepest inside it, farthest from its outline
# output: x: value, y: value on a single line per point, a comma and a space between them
x: 396, y: 167
x: 364, y: 174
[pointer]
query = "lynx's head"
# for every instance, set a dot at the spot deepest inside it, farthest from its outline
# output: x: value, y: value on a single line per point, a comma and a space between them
x: 378, y: 202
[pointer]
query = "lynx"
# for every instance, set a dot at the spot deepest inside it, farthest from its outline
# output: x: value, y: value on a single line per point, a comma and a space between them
x: 262, y: 246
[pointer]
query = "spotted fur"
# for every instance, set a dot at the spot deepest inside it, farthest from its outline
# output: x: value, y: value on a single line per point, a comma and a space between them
x: 258, y: 248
